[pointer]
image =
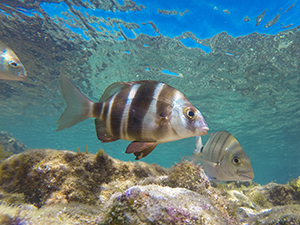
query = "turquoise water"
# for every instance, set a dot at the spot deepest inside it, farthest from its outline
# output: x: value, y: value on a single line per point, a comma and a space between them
x: 243, y: 82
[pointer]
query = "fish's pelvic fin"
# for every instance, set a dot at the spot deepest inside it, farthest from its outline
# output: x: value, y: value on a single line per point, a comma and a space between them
x: 140, y: 149
x: 101, y: 132
x: 79, y: 107
x: 198, y: 146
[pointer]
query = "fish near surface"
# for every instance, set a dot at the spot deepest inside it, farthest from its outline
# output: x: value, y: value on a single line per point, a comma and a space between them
x: 144, y: 112
x: 223, y: 158
x: 11, y: 67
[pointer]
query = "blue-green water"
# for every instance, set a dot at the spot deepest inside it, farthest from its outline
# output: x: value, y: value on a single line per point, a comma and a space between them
x: 243, y: 82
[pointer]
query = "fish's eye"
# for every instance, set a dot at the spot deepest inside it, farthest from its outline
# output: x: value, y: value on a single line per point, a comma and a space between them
x: 236, y: 160
x: 13, y: 64
x: 190, y: 113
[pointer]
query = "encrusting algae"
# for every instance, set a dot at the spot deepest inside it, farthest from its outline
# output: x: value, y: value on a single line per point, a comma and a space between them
x: 4, y: 154
x: 43, y: 186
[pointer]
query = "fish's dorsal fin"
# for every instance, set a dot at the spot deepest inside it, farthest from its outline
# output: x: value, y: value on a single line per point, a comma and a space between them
x: 112, y: 89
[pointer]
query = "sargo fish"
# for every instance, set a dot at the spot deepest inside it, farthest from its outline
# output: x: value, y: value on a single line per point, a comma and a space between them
x: 223, y: 158
x: 144, y: 112
x: 11, y: 67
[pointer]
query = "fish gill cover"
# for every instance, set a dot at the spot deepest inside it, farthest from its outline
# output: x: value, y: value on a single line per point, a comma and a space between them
x: 238, y: 63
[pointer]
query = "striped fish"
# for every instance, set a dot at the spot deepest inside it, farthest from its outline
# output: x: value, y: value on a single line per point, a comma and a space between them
x: 144, y: 112
x: 223, y: 158
x: 11, y: 67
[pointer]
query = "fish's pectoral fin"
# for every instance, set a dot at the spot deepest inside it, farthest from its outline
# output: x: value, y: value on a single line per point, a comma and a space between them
x: 208, y: 165
x: 212, y: 169
x: 140, y: 149
x: 102, y: 134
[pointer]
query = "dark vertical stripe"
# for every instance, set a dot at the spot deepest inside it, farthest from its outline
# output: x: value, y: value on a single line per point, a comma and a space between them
x: 218, y: 143
x: 138, y: 109
x: 214, y: 147
x: 117, y: 108
x: 97, y: 109
x: 163, y: 109
x: 104, y: 111
x: 225, y: 136
x: 165, y: 99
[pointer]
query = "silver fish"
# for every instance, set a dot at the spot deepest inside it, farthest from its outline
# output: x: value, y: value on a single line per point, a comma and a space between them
x: 144, y: 112
x: 223, y: 158
x: 11, y: 67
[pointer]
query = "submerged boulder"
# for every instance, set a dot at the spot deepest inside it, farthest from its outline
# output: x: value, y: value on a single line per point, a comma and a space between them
x: 43, y: 186
x: 9, y: 145
x: 47, y: 176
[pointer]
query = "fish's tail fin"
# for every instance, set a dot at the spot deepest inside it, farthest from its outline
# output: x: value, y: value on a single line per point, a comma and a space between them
x: 79, y: 107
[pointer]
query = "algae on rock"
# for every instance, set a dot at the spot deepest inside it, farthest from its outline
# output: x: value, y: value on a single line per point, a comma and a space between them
x: 43, y: 186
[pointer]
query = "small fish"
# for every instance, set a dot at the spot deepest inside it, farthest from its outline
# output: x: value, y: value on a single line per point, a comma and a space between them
x: 144, y: 112
x: 223, y: 158
x: 11, y: 67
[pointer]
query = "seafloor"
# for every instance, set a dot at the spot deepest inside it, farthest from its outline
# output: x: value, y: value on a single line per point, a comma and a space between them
x: 47, y: 186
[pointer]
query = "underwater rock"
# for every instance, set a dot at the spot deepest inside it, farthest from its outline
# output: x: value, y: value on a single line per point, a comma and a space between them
x: 45, y: 186
x: 187, y: 175
x: 48, y: 176
x: 273, y: 194
x: 268, y: 204
x: 10, y: 144
x: 154, y: 204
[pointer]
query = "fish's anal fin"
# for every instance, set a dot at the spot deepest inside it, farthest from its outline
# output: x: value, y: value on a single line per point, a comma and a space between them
x: 101, y: 133
x: 140, y: 149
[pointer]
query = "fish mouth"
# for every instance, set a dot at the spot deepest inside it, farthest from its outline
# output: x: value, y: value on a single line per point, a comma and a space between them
x: 203, y: 129
x: 21, y: 77
x: 246, y: 175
